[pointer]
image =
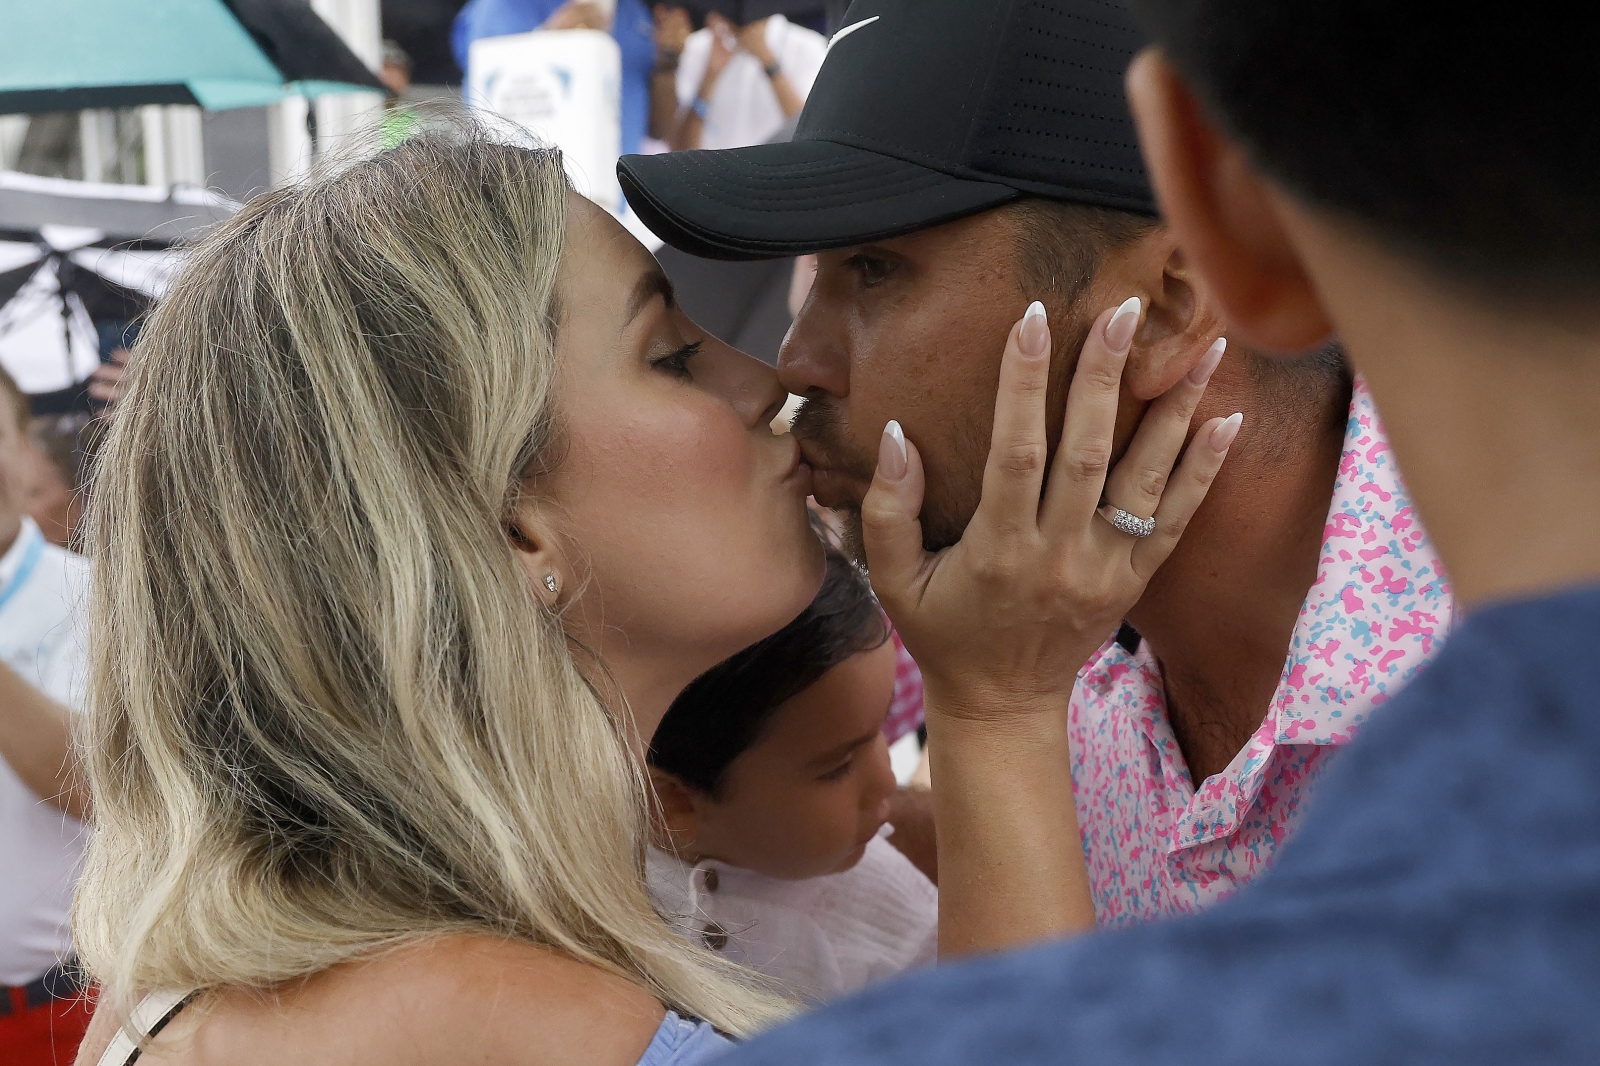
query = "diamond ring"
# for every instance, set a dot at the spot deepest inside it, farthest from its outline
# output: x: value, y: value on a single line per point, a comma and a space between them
x: 1132, y: 525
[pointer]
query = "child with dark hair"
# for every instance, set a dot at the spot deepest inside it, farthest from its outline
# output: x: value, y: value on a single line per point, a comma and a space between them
x: 773, y: 779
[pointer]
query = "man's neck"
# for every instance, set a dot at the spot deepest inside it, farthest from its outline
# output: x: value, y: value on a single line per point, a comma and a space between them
x: 1220, y: 613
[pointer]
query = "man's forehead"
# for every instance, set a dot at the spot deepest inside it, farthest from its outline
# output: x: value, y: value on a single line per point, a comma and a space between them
x: 987, y: 229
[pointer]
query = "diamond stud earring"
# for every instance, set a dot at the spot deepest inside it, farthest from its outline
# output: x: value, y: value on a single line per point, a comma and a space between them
x: 550, y: 583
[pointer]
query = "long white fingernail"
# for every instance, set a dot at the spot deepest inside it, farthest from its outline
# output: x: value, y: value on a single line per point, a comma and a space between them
x: 1222, y: 436
x: 1123, y: 325
x: 1033, y: 338
x: 1208, y: 363
x: 892, y: 452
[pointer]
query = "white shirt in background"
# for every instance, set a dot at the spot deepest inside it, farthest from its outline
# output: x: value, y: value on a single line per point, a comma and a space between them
x: 820, y: 937
x: 41, y: 638
x: 743, y: 108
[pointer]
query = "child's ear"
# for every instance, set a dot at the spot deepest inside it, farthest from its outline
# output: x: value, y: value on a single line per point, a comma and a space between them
x: 676, y: 812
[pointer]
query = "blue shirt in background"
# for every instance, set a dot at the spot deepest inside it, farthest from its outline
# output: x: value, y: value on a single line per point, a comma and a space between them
x: 633, y: 29
x: 1439, y: 906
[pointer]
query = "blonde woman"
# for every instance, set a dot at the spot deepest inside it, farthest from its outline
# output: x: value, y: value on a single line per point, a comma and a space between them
x: 423, y: 503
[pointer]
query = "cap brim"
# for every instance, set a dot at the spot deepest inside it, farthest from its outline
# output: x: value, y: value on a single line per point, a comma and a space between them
x: 773, y: 200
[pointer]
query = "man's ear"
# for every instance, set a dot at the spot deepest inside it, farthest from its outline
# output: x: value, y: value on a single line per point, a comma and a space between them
x: 1223, y: 214
x: 541, y: 558
x: 1181, y: 319
x: 676, y: 812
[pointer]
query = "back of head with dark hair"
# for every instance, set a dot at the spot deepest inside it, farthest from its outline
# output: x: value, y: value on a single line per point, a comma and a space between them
x: 1462, y: 134
x: 726, y: 709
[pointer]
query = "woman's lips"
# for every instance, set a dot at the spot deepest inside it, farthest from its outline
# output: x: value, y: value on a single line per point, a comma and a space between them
x: 799, y: 472
x: 831, y: 487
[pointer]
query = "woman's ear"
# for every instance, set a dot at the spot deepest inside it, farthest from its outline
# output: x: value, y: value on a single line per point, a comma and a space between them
x: 1224, y: 214
x: 541, y: 558
x: 676, y: 813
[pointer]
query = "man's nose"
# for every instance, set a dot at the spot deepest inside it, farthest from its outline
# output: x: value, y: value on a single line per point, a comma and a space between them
x: 814, y: 357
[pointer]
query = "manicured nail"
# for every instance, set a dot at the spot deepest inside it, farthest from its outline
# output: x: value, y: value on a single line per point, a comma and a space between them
x: 1208, y: 362
x: 1123, y: 325
x: 1222, y: 436
x: 892, y: 452
x: 1034, y: 337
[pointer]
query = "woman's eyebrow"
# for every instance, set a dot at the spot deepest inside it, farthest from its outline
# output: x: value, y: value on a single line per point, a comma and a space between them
x: 651, y: 283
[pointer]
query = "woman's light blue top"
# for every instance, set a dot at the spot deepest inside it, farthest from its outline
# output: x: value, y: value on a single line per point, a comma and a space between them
x: 680, y: 1042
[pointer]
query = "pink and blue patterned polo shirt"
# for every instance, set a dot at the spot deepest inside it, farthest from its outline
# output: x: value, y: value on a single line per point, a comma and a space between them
x: 905, y: 709
x: 1155, y: 844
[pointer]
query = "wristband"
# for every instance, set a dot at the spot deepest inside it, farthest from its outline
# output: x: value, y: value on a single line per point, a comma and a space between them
x: 772, y: 69
x: 700, y: 108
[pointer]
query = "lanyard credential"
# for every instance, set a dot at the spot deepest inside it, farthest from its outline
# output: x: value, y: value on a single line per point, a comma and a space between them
x: 30, y: 559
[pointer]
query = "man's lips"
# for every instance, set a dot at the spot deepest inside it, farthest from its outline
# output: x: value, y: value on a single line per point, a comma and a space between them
x: 799, y: 471
x: 830, y: 486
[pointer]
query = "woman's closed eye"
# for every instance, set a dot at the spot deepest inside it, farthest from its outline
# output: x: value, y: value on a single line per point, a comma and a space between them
x: 677, y: 363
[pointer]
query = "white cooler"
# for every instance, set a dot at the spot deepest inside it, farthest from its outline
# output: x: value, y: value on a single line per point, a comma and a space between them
x: 563, y: 86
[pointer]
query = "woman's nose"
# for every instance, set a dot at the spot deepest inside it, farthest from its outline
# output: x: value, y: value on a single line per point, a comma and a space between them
x: 747, y: 384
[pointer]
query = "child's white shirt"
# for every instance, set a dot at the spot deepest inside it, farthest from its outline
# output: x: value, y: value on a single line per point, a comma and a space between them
x: 819, y: 937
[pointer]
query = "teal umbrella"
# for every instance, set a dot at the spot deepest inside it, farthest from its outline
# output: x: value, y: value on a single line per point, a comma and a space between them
x: 65, y: 55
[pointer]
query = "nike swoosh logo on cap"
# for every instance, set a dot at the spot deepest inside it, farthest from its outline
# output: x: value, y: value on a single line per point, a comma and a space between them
x: 848, y: 30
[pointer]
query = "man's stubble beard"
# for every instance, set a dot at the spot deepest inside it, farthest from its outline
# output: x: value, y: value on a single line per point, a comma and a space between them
x: 942, y: 522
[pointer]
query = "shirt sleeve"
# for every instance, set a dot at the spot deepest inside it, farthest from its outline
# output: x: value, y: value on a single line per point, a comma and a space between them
x: 906, y: 708
x: 692, y: 66
x: 64, y: 652
x: 801, y: 53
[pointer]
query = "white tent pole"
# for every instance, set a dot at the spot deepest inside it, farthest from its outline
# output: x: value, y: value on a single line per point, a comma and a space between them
x: 155, y: 146
x: 98, y: 135
x: 186, y: 158
x: 338, y: 115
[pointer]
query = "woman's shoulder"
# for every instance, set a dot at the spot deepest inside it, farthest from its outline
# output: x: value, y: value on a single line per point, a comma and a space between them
x: 514, y: 998
x: 521, y: 1002
x: 459, y: 998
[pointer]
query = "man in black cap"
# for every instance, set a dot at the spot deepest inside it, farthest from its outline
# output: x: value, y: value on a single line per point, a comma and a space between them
x: 955, y: 161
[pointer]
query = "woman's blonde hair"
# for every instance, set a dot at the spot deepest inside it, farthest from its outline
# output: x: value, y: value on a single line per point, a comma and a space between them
x: 327, y: 715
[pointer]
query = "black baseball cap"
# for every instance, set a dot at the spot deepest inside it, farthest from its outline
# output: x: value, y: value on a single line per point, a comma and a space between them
x: 925, y: 111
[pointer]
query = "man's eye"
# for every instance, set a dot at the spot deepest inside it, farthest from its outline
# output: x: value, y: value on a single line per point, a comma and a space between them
x: 871, y: 270
x: 677, y: 364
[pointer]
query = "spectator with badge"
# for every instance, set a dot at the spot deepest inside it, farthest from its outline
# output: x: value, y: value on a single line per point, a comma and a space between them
x: 42, y: 1011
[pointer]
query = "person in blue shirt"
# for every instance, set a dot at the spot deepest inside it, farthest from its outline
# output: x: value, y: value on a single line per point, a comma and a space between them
x: 1417, y: 187
x: 632, y: 26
